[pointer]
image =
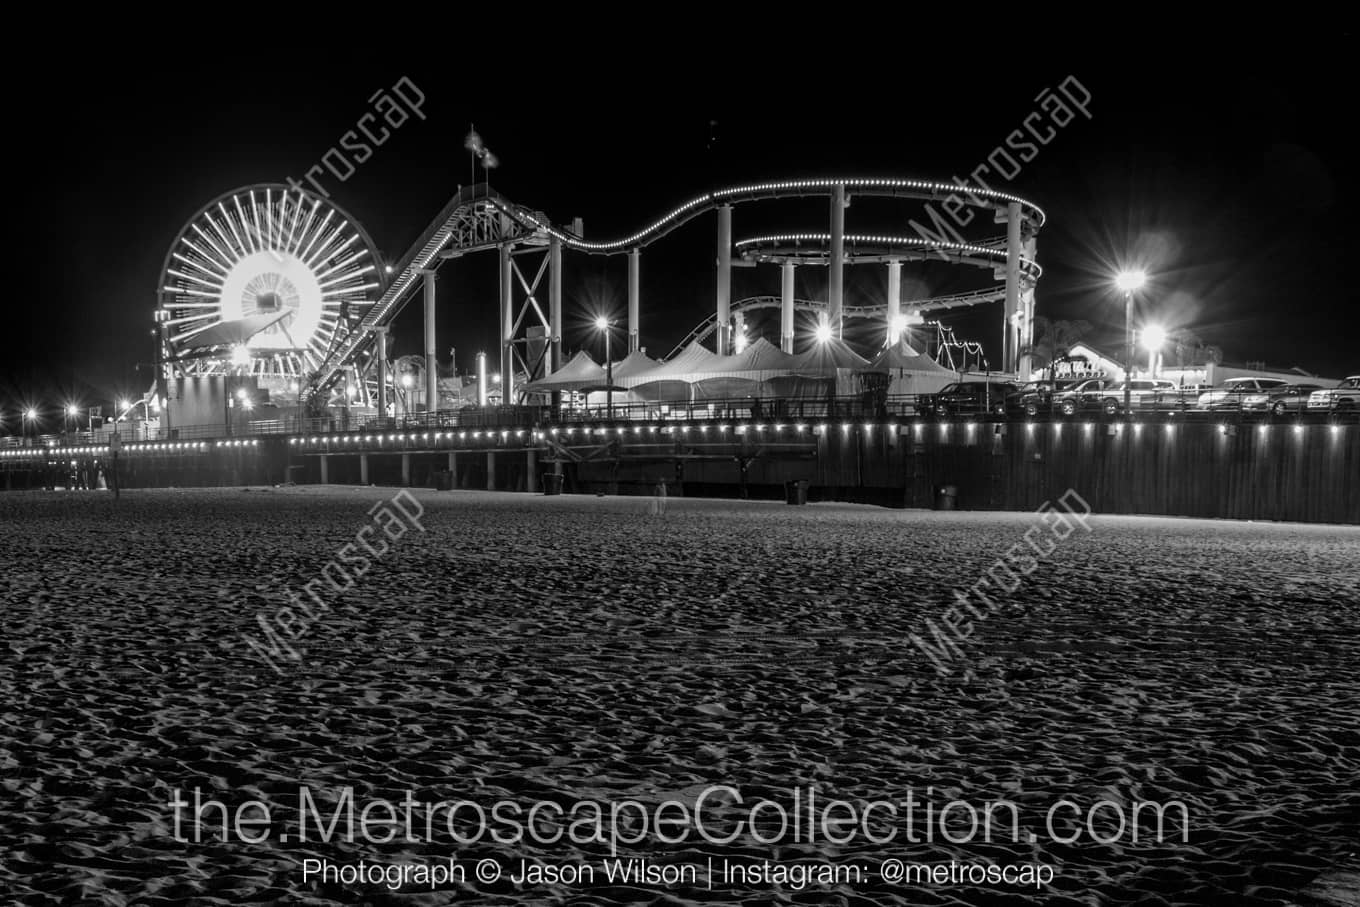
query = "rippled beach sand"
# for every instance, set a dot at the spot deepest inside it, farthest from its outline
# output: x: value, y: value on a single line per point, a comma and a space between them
x: 568, y: 648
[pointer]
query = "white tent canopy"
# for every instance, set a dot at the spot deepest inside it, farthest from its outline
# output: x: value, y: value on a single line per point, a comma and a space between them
x: 762, y: 369
x: 579, y: 373
x: 635, y: 363
x: 744, y: 373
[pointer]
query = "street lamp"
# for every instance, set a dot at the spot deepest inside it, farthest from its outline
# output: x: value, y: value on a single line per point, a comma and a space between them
x: 1128, y: 282
x: 72, y: 413
x: 31, y: 415
x: 604, y: 324
x: 1154, y: 335
x: 823, y: 332
x: 896, y: 328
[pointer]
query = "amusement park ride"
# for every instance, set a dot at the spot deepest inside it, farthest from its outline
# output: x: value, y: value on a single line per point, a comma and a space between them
x: 277, y: 285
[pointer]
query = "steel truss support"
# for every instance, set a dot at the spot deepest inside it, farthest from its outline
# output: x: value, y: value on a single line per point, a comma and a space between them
x: 520, y: 310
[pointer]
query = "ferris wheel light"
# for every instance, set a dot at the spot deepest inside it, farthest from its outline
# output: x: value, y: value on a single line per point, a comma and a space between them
x: 262, y: 251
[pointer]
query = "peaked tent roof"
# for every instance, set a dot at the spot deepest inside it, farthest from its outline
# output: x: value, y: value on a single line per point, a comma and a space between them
x: 693, y: 358
x: 759, y: 356
x: 634, y: 363
x: 902, y: 356
x: 827, y: 356
x: 580, y: 372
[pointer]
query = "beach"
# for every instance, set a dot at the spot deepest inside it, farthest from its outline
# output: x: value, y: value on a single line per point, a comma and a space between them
x: 532, y: 649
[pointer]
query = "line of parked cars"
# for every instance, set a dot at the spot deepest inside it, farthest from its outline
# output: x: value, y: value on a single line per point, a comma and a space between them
x: 1274, y: 396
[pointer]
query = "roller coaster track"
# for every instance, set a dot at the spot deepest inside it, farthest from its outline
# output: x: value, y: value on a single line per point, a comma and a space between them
x: 815, y: 249
x: 480, y: 218
x: 705, y: 328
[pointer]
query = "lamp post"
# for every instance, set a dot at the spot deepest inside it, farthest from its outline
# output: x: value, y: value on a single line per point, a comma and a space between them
x: 1128, y: 282
x: 30, y: 415
x: 604, y: 324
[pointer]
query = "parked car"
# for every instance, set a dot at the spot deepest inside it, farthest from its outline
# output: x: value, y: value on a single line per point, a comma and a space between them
x: 1144, y: 393
x: 1280, y: 400
x: 969, y: 397
x: 1082, y: 395
x: 1033, y: 398
x: 1345, y: 396
x: 1231, y: 394
x: 1108, y: 397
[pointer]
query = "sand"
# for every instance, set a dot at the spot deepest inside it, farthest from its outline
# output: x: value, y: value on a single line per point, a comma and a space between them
x: 577, y: 647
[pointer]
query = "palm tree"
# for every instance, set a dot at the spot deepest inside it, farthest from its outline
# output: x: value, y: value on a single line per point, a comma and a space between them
x: 1055, y: 341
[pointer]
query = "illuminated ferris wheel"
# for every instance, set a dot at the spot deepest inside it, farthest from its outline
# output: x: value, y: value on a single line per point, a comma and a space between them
x: 262, y: 281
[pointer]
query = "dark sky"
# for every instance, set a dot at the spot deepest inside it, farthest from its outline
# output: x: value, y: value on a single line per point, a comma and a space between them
x: 1229, y: 174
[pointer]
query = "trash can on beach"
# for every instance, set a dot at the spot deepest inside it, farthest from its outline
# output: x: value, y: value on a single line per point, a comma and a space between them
x: 552, y: 483
x: 946, y: 497
x: 795, y: 491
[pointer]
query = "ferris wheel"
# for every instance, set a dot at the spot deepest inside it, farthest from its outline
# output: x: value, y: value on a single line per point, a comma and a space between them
x: 262, y: 281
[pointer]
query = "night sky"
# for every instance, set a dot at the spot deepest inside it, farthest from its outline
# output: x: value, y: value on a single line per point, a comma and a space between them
x: 1229, y: 176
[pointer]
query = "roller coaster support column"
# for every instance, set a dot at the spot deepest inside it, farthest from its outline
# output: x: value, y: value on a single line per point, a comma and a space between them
x: 634, y: 265
x: 1011, y: 336
x: 894, y: 301
x: 786, y: 308
x: 382, y: 372
x: 431, y: 353
x: 724, y: 278
x: 507, y: 328
x: 836, y: 279
x: 555, y: 301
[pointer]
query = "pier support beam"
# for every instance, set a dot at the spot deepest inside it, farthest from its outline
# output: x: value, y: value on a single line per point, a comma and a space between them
x: 363, y: 469
x: 325, y: 469
x: 507, y: 327
x: 406, y: 470
x: 894, y: 329
x: 835, y: 294
x: 1011, y: 330
x: 490, y: 470
x: 382, y: 372
x: 634, y: 303
x: 724, y: 294
x: 431, y: 351
x: 531, y: 477
x: 555, y: 302
x: 786, y: 308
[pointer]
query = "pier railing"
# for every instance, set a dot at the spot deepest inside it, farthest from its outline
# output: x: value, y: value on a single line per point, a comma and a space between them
x: 858, y: 407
